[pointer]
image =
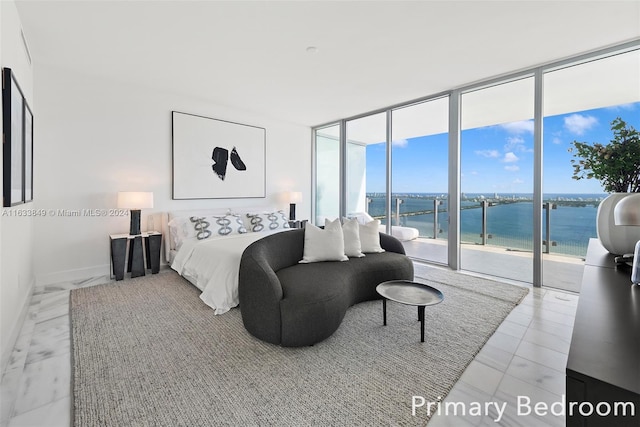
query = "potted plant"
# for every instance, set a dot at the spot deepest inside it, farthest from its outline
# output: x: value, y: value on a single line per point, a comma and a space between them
x: 617, y: 166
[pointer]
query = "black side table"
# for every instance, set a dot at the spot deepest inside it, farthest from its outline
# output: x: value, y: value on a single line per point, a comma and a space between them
x: 297, y: 223
x: 145, y: 244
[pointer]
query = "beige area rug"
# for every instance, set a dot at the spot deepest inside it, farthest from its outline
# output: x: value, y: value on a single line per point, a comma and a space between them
x: 148, y: 352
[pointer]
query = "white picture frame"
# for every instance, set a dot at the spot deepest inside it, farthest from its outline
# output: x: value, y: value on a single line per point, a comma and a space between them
x: 239, y: 170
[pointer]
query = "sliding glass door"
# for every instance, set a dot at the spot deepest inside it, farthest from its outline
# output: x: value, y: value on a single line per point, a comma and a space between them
x: 608, y: 89
x: 419, y: 197
x: 327, y: 176
x: 366, y: 166
x: 496, y: 175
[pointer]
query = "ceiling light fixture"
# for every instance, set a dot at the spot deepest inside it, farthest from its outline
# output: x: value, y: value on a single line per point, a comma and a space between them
x: 312, y: 49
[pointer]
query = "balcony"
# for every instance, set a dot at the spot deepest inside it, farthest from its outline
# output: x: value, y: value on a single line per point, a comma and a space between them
x: 496, y: 234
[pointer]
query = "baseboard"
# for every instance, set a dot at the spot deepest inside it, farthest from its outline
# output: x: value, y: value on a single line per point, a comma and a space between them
x: 75, y: 274
x: 5, y: 357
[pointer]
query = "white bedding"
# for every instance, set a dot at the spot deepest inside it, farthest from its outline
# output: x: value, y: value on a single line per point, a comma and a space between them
x: 212, y: 265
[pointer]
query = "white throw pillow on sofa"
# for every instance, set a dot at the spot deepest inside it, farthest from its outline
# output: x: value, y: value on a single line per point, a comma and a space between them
x: 362, y: 217
x: 370, y: 237
x: 323, y: 245
x: 351, y: 233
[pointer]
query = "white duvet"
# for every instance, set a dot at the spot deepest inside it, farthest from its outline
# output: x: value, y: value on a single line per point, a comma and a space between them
x: 212, y: 265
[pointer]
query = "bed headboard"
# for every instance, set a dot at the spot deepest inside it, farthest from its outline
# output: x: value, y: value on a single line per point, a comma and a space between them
x: 166, y: 217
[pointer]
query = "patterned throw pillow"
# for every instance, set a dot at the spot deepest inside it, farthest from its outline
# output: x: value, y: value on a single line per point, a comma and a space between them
x: 229, y: 224
x: 268, y: 221
x: 201, y: 227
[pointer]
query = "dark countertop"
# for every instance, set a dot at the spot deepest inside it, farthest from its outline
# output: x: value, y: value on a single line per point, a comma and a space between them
x: 605, y: 344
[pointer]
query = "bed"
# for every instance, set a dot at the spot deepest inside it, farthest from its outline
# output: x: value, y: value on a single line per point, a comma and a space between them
x: 205, y: 247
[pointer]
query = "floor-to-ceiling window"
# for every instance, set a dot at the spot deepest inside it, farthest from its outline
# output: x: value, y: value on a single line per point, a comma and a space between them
x: 517, y: 201
x: 366, y: 166
x: 496, y: 180
x: 580, y: 103
x: 327, y: 173
x: 419, y: 197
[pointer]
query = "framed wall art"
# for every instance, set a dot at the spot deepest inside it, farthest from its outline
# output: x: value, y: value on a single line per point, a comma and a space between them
x: 217, y: 159
x: 17, y: 167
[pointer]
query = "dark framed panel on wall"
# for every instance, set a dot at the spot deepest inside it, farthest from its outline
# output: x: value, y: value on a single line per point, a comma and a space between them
x: 17, y: 129
x: 217, y: 159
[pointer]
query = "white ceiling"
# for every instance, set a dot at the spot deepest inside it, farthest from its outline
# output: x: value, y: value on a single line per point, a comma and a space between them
x: 252, y: 55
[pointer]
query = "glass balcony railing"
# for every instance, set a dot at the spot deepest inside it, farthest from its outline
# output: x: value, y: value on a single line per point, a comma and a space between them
x: 569, y: 221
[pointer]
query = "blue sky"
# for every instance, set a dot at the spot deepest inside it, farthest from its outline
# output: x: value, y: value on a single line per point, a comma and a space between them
x: 499, y: 158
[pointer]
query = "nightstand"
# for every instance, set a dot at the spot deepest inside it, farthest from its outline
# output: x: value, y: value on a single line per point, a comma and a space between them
x: 298, y: 224
x: 141, y: 246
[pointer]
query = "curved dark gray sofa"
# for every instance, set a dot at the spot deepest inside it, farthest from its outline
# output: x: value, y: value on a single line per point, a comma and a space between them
x: 291, y: 304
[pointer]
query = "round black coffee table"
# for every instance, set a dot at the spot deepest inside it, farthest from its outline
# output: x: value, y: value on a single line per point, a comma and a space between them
x: 409, y: 293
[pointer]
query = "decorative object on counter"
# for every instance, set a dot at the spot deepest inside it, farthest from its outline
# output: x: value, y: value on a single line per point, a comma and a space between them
x: 135, y: 201
x: 627, y: 214
x: 635, y: 269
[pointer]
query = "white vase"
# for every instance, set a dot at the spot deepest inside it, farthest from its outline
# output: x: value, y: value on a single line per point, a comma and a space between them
x: 617, y: 239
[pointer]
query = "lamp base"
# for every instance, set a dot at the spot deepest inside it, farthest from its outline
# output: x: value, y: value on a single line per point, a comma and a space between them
x: 292, y: 211
x: 134, y: 229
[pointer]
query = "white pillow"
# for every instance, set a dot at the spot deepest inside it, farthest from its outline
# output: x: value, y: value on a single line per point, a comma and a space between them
x: 178, y: 231
x: 362, y: 217
x: 224, y: 225
x: 351, y: 233
x: 323, y: 245
x: 370, y: 237
x: 267, y: 221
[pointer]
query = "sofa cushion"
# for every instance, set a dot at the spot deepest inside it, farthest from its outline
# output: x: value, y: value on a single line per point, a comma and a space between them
x: 370, y: 237
x: 351, y: 232
x: 375, y: 268
x: 315, y: 282
x: 323, y: 244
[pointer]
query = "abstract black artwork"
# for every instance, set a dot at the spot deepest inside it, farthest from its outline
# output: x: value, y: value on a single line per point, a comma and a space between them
x: 217, y: 159
x: 220, y: 158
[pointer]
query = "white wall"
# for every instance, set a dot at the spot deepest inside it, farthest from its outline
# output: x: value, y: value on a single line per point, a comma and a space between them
x: 16, y: 232
x: 98, y: 136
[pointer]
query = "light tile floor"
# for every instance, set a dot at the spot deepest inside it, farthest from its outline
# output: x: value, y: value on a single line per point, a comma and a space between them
x: 525, y: 358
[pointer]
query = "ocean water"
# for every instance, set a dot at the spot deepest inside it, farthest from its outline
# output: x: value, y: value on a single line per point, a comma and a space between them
x: 509, y: 219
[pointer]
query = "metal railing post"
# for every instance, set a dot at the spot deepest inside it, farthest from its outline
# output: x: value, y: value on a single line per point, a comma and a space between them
x: 368, y: 202
x: 485, y: 204
x: 436, y: 229
x: 547, y: 222
x: 398, y: 202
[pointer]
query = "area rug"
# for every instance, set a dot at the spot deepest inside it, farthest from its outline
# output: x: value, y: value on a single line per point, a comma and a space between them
x: 148, y: 352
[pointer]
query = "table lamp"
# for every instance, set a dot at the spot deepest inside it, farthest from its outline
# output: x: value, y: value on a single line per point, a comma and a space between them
x: 627, y: 212
x: 135, y: 201
x: 294, y: 197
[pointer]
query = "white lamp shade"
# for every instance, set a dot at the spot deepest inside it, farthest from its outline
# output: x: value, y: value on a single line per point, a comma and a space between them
x: 135, y: 199
x: 627, y: 211
x: 295, y: 197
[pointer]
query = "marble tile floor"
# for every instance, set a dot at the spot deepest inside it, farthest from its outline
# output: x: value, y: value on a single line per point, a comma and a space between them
x: 525, y: 357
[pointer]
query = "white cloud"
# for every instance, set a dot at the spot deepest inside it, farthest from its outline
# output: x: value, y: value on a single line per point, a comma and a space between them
x: 516, y: 143
x: 518, y: 127
x: 512, y: 168
x: 488, y: 153
x: 627, y: 107
x: 401, y: 143
x: 474, y: 172
x: 579, y: 124
x: 556, y: 140
x: 518, y: 181
x: 510, y: 157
